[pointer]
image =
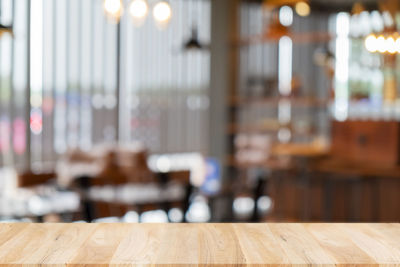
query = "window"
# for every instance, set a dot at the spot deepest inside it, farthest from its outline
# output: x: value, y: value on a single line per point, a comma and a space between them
x: 61, y: 88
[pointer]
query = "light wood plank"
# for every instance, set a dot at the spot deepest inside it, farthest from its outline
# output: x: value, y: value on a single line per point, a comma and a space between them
x: 299, y: 245
x: 259, y: 245
x: 389, y: 233
x: 9, y: 231
x: 139, y: 247
x: 276, y: 244
x: 100, y: 247
x: 218, y: 244
x: 372, y: 243
x: 179, y: 246
x: 23, y: 248
x: 338, y: 245
x: 149, y: 243
x: 66, y: 245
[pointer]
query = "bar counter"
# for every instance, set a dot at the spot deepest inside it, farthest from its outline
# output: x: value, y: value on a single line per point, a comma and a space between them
x: 199, y: 244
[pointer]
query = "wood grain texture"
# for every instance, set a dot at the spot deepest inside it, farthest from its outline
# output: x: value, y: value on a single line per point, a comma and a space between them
x: 278, y: 244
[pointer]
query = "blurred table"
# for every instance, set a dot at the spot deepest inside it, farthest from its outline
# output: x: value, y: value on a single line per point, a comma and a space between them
x: 199, y: 244
x: 312, y: 150
x: 37, y: 202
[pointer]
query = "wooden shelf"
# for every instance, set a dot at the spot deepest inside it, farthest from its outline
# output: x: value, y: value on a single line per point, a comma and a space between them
x: 309, y: 150
x: 263, y: 127
x: 274, y: 101
x: 300, y: 150
x: 297, y: 37
x: 255, y: 127
x: 271, y: 164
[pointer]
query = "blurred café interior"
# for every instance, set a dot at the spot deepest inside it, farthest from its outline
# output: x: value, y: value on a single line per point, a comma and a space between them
x: 200, y: 110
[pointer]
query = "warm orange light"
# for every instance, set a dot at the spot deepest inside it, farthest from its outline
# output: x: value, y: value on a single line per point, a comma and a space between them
x: 391, y: 45
x: 381, y: 44
x: 398, y: 44
x: 138, y: 10
x: 302, y: 9
x: 113, y: 9
x: 162, y: 13
x: 371, y: 43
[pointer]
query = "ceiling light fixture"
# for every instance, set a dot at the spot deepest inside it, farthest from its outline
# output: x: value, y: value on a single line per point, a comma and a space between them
x: 391, y: 45
x: 286, y: 16
x: 162, y: 13
x: 383, y: 44
x: 138, y: 9
x: 113, y: 9
x: 302, y: 9
x: 370, y: 43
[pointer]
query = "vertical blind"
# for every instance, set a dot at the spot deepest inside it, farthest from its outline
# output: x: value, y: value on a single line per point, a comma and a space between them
x: 60, y: 87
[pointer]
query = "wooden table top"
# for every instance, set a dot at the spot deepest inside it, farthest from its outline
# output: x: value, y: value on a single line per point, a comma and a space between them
x: 199, y: 244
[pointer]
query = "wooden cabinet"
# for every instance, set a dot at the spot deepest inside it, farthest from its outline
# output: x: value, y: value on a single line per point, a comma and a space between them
x: 367, y: 141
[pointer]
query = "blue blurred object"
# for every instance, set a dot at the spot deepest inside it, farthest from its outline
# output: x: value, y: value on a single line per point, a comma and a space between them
x: 212, y: 182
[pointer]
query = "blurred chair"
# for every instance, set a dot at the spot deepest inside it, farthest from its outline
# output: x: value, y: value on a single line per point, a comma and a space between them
x: 29, y: 179
x: 124, y: 182
x: 40, y: 198
x: 115, y: 194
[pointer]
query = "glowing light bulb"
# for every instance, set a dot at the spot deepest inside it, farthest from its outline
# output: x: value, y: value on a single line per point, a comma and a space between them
x: 381, y: 44
x: 286, y: 16
x: 398, y: 45
x: 302, y: 9
x: 138, y: 10
x: 391, y: 45
x: 162, y: 13
x: 371, y: 43
x: 113, y: 8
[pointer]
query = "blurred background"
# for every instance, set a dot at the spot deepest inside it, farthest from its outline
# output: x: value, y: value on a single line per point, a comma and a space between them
x: 199, y: 110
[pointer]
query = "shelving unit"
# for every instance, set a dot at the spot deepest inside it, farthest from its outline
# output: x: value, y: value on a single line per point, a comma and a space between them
x: 257, y: 104
x: 280, y: 120
x: 267, y: 122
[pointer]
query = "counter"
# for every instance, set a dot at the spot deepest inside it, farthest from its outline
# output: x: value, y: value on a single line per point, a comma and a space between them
x: 199, y: 244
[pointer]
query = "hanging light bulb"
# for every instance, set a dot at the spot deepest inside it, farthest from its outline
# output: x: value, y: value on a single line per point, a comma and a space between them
x: 138, y: 10
x: 398, y: 44
x: 162, y: 13
x: 302, y: 9
x: 286, y: 16
x: 6, y: 29
x: 113, y: 9
x: 381, y: 44
x: 371, y: 43
x: 391, y: 45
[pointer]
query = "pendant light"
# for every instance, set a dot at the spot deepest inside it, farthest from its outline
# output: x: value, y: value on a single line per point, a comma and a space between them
x: 138, y: 9
x: 193, y: 42
x: 113, y: 9
x: 5, y: 29
x: 302, y: 9
x: 162, y: 13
